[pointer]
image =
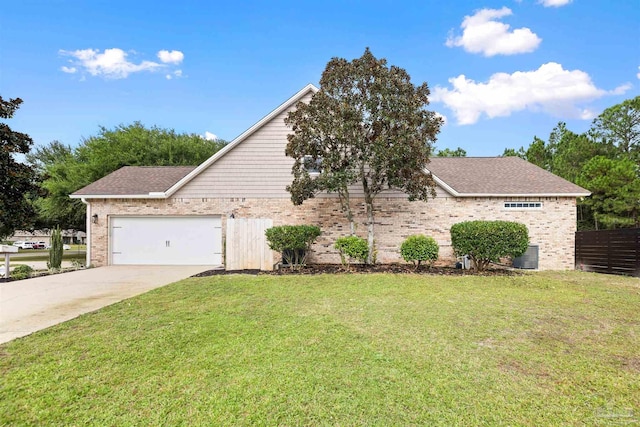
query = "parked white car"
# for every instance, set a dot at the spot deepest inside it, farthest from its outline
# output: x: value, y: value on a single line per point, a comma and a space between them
x: 23, y: 245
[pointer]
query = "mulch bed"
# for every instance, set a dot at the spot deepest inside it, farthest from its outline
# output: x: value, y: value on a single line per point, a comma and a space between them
x: 339, y: 269
x: 365, y: 269
x: 220, y: 271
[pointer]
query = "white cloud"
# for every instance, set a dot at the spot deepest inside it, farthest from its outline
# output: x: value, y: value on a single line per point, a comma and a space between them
x: 176, y: 73
x: 550, y: 89
x: 622, y: 89
x: 638, y: 75
x: 554, y: 3
x: 112, y: 63
x: 587, y: 114
x: 115, y: 64
x: 483, y: 33
x: 210, y: 136
x: 171, y: 57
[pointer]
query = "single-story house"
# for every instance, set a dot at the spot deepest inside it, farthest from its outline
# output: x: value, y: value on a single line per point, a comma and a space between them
x: 179, y: 215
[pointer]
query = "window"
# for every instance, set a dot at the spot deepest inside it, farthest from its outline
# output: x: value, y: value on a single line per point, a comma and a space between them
x: 522, y: 205
x: 312, y: 166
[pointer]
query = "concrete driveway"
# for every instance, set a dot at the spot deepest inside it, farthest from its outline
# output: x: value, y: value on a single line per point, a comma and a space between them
x: 27, y: 306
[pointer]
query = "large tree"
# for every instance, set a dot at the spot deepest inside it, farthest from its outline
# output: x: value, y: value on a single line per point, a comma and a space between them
x: 64, y: 169
x: 16, y: 178
x: 615, y: 188
x: 367, y: 126
x: 569, y: 151
x: 538, y: 153
x: 619, y: 126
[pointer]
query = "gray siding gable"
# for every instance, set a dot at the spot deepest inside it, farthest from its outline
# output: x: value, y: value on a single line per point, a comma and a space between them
x: 255, y: 167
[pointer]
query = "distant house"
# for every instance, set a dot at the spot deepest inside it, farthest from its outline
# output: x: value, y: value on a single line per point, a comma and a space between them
x: 68, y: 236
x: 178, y: 215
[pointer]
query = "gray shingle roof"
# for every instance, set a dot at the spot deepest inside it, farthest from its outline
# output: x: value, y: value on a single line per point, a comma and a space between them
x: 466, y: 176
x: 499, y: 176
x: 136, y: 180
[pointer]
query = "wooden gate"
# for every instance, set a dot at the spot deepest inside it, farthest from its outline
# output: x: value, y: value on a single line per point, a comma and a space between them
x: 246, y: 244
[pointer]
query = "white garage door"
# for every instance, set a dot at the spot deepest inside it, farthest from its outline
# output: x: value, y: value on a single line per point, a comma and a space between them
x: 166, y: 240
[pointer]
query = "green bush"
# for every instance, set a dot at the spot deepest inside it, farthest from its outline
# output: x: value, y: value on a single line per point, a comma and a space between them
x: 21, y: 271
x: 418, y: 249
x: 77, y: 264
x: 293, y: 241
x: 352, y: 247
x: 55, y: 253
x: 488, y: 241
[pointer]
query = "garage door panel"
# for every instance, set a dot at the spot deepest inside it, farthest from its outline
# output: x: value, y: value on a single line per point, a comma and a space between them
x: 140, y: 241
x: 166, y: 240
x: 137, y: 244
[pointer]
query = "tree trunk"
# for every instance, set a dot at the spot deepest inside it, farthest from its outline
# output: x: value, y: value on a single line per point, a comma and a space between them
x: 368, y: 201
x: 345, y: 204
x: 370, y: 240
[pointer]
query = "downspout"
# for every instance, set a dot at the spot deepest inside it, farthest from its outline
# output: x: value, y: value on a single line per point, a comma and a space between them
x: 88, y: 222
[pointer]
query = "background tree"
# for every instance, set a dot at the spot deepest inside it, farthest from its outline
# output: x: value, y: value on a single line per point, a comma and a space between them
x: 367, y: 125
x: 614, y: 135
x: 564, y: 154
x: 568, y: 152
x: 54, y: 163
x: 619, y: 126
x: 615, y: 188
x: 16, y: 178
x: 64, y: 170
x: 447, y: 152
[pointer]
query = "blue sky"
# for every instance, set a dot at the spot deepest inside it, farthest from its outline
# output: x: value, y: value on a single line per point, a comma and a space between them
x: 500, y: 71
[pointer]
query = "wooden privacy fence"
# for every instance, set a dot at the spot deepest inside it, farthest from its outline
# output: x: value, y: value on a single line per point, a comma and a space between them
x: 246, y: 244
x: 609, y: 251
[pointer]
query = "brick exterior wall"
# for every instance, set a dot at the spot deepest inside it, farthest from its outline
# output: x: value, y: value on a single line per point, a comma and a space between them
x: 552, y: 227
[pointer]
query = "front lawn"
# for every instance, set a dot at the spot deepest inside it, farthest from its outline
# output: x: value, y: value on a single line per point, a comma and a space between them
x: 380, y: 349
x: 44, y: 256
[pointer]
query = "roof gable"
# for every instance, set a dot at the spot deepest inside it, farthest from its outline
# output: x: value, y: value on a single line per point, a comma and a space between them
x: 246, y: 134
x: 162, y: 182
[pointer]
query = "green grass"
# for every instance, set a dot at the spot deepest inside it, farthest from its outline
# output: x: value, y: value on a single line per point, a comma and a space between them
x: 534, y: 350
x: 44, y: 256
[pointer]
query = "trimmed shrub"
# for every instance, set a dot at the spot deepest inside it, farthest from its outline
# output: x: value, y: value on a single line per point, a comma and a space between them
x: 22, y: 271
x: 55, y: 253
x: 418, y: 249
x: 293, y: 242
x: 488, y: 241
x: 352, y: 248
x: 77, y: 264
